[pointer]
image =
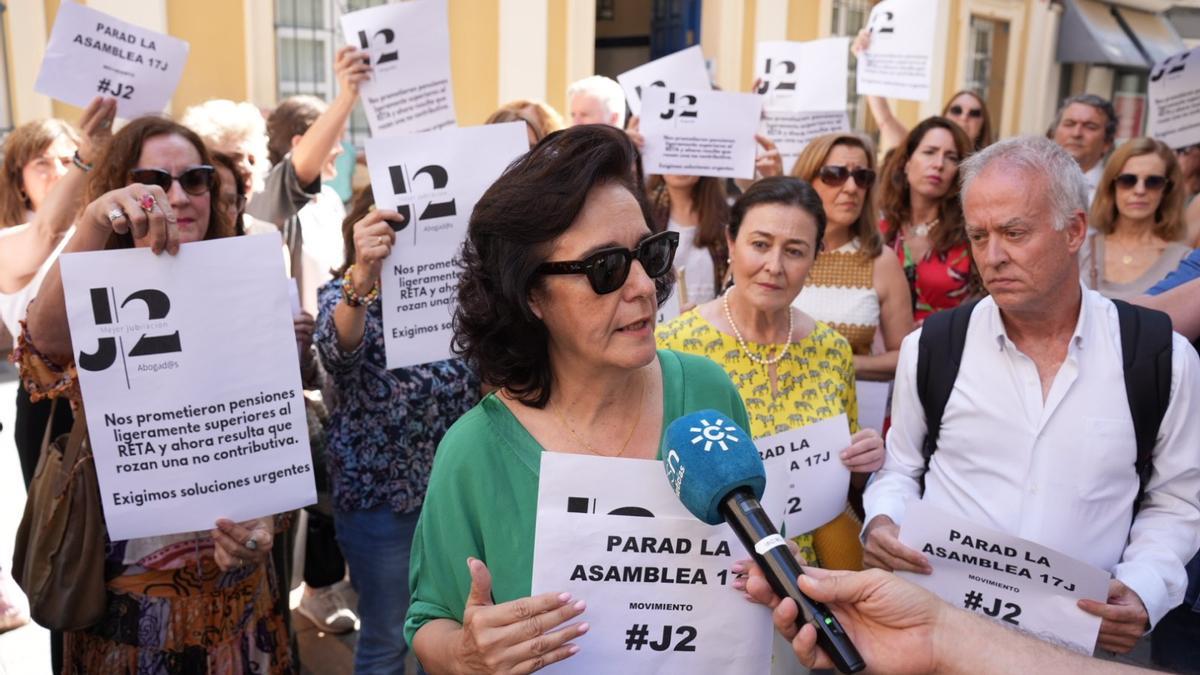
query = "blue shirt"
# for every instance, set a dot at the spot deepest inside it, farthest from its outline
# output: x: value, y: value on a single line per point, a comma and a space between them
x: 1188, y: 270
x: 386, y: 424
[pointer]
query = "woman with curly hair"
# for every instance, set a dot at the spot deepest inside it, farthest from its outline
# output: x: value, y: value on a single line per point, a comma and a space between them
x: 191, y: 602
x: 562, y: 276
x: 922, y: 216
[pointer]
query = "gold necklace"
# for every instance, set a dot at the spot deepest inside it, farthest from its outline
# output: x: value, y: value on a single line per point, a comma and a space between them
x: 760, y: 360
x: 586, y: 446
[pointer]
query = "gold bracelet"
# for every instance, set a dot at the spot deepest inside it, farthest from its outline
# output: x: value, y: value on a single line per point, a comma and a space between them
x: 352, y: 298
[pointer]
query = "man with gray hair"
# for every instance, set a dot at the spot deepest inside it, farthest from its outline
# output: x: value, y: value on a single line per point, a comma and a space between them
x: 596, y: 100
x: 1036, y: 435
x: 1086, y: 126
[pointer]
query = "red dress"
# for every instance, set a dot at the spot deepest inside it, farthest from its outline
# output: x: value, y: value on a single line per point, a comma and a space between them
x: 938, y: 280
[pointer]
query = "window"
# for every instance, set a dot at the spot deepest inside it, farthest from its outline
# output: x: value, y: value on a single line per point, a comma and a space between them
x: 849, y: 17
x: 307, y: 35
x: 979, y: 56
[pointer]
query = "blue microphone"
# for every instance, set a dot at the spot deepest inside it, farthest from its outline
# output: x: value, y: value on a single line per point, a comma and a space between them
x: 714, y: 469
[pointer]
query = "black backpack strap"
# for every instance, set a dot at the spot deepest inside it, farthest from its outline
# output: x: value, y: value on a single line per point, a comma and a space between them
x: 1146, y: 358
x: 939, y: 354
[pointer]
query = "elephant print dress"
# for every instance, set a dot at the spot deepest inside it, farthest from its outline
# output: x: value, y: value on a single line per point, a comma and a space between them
x: 815, y: 381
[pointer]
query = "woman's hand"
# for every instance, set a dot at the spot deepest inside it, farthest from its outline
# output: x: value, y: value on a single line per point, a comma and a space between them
x: 866, y: 452
x: 304, y: 325
x: 373, y: 241
x: 238, y: 544
x: 140, y: 210
x: 96, y: 125
x: 351, y: 68
x: 517, y: 636
x: 862, y: 42
x: 770, y: 162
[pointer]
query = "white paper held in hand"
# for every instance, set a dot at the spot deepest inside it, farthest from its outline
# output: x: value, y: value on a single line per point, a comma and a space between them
x: 898, y: 62
x: 191, y: 385
x: 433, y: 180
x: 684, y: 69
x: 700, y: 132
x: 408, y: 45
x: 93, y: 54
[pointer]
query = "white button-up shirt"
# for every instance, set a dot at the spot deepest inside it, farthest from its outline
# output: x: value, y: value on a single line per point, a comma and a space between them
x: 1059, y: 472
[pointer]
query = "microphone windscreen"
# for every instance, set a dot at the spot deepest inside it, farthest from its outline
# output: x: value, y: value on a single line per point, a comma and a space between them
x: 708, y: 456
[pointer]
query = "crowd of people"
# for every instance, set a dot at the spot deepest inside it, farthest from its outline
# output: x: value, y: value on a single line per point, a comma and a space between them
x: 962, y: 286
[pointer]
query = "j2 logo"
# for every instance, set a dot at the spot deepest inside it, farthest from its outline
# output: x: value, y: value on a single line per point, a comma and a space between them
x: 404, y: 184
x: 388, y: 36
x: 1166, y: 67
x: 685, y: 100
x: 789, y: 68
x: 881, y: 23
x: 104, y: 313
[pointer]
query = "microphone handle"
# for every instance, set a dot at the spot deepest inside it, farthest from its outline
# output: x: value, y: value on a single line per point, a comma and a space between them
x: 758, y: 534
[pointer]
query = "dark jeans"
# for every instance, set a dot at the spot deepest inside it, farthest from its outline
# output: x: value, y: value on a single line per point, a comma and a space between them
x: 1175, y: 642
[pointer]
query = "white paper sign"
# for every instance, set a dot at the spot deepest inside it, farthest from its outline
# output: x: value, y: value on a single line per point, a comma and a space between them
x: 409, y: 47
x: 803, y: 76
x: 700, y: 133
x: 898, y: 63
x: 1004, y: 577
x: 433, y: 180
x: 656, y: 579
x: 792, y: 131
x: 191, y: 384
x: 93, y: 54
x: 682, y: 70
x: 1174, y: 97
x: 807, y: 483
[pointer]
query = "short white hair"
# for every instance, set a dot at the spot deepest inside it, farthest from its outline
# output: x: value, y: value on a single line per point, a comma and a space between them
x: 1059, y: 173
x: 219, y: 121
x: 606, y: 90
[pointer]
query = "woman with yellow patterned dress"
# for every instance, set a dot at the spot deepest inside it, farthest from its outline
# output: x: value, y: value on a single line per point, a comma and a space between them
x: 791, y: 370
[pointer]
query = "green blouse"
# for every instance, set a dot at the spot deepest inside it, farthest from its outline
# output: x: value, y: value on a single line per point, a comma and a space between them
x: 482, y: 497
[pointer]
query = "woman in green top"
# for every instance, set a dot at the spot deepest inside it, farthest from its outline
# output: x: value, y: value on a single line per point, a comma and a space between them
x: 561, y: 282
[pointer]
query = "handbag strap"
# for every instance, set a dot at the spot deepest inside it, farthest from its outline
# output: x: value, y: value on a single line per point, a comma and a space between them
x: 49, y: 425
x: 73, y: 451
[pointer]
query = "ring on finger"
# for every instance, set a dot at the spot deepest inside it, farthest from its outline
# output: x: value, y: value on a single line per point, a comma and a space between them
x: 251, y: 544
x: 115, y: 214
x: 379, y: 240
x: 147, y: 202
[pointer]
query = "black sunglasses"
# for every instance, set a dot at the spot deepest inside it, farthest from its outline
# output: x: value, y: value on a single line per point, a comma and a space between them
x: 607, y: 269
x: 835, y: 176
x: 1152, y: 183
x: 195, y: 181
x: 958, y: 110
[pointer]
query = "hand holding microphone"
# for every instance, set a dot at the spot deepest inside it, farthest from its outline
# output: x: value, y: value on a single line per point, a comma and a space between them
x: 714, y: 468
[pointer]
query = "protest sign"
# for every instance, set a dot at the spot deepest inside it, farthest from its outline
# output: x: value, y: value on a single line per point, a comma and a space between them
x: 93, y: 54
x: 700, y: 133
x: 792, y: 131
x: 682, y: 70
x: 433, y: 180
x: 807, y: 483
x: 191, y: 384
x: 408, y: 45
x: 656, y: 579
x: 1004, y: 577
x: 1174, y: 94
x: 898, y: 62
x: 803, y: 76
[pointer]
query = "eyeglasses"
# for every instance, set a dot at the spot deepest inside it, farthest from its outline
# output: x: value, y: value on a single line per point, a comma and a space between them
x: 835, y: 176
x: 195, y: 181
x: 958, y: 110
x: 1128, y: 181
x: 607, y: 269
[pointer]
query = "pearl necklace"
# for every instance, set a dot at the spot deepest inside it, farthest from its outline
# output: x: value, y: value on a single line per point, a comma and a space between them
x: 761, y: 360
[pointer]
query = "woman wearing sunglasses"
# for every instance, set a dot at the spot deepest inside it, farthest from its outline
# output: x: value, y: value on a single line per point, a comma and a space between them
x: 922, y: 216
x: 790, y: 369
x: 966, y: 108
x: 153, y: 189
x: 561, y: 281
x: 1137, y: 221
x: 384, y: 427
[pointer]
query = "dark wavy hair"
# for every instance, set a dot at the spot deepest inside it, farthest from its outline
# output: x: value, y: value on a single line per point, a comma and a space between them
x: 785, y: 190
x: 510, y: 234
x: 895, y: 194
